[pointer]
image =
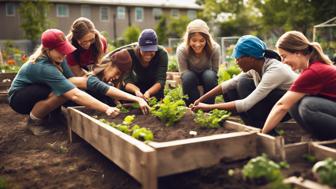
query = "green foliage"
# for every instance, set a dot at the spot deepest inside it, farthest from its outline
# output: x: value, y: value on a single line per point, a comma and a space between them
x: 211, y: 119
x: 310, y: 158
x: 172, y: 65
x: 34, y: 18
x: 3, y: 183
x: 142, y: 134
x: 176, y: 93
x: 161, y: 30
x: 233, y: 70
x: 262, y: 168
x: 131, y: 34
x: 122, y: 108
x: 135, y: 131
x: 9, y: 68
x: 326, y: 171
x: 223, y: 75
x: 177, y: 26
x: 152, y: 101
x: 169, y: 110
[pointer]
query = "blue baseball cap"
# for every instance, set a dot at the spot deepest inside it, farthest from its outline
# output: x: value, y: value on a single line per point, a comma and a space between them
x: 249, y: 45
x: 148, y: 40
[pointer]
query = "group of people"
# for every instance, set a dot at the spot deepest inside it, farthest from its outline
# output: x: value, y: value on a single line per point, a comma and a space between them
x: 270, y: 89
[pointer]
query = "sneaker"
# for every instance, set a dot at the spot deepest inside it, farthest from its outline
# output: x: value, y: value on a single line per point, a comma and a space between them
x: 58, y: 118
x: 37, y: 128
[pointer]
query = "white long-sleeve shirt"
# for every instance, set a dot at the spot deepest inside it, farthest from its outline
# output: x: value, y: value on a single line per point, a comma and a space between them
x: 275, y: 75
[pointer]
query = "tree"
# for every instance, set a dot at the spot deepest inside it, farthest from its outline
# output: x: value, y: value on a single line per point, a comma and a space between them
x: 161, y: 30
x: 177, y: 26
x: 131, y: 34
x: 34, y: 18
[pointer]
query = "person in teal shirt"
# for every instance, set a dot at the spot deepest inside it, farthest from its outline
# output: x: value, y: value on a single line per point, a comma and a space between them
x: 46, y: 82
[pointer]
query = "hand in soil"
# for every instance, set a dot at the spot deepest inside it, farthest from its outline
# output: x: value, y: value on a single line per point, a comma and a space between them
x: 143, y: 106
x: 112, y: 111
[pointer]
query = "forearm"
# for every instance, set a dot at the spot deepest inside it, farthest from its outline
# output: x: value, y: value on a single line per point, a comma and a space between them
x: 275, y: 116
x: 131, y: 88
x: 86, y: 100
x: 223, y: 106
x: 120, y: 95
x: 212, y: 93
x: 154, y: 89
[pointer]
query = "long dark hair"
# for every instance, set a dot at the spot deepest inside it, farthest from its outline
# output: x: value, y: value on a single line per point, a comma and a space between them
x: 80, y: 27
x: 272, y: 54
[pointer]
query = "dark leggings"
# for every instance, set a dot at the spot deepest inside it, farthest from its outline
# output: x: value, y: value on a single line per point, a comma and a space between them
x: 190, y: 81
x: 257, y: 115
x: 25, y: 99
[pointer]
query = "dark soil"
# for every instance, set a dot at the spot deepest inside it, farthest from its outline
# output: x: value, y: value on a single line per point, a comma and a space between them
x: 161, y: 132
x: 293, y: 133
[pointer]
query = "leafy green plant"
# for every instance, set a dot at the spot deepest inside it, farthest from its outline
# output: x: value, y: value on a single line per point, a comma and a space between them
x: 135, y: 131
x: 152, y: 101
x: 122, y: 108
x: 262, y: 168
x: 233, y: 70
x: 176, y: 94
x: 169, y: 110
x: 326, y: 171
x: 211, y: 119
x: 310, y: 158
x: 172, y: 65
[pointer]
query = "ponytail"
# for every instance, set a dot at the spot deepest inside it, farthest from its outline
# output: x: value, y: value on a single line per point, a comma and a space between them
x: 317, y: 53
x: 272, y: 54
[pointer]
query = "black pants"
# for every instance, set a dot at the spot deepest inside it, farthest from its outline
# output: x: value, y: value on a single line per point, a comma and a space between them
x: 257, y: 115
x: 190, y: 81
x: 25, y: 99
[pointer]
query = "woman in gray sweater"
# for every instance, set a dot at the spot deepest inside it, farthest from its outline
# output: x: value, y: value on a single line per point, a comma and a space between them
x: 198, y: 58
x: 262, y: 83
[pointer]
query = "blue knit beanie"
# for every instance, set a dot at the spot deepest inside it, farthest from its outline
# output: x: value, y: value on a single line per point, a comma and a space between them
x: 249, y: 45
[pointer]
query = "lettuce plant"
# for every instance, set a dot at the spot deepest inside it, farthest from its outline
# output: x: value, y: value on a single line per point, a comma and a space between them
x: 211, y: 119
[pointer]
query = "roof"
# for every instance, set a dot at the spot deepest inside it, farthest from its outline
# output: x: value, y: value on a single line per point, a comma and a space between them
x: 185, y: 4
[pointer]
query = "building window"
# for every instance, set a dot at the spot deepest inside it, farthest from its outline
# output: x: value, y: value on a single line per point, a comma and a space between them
x: 10, y: 9
x: 121, y: 12
x: 86, y: 11
x: 62, y: 10
x: 139, y: 14
x: 104, y: 13
x: 175, y: 13
x: 191, y: 14
x: 157, y: 12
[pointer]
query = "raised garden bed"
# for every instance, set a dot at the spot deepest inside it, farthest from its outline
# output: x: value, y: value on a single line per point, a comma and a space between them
x: 5, y: 81
x: 323, y: 149
x: 292, y: 142
x: 147, y: 161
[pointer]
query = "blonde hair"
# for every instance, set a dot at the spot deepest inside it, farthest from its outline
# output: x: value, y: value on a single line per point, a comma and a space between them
x: 40, y: 53
x: 295, y: 41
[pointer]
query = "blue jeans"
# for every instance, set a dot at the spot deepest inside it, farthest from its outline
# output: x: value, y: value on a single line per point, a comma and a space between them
x: 190, y: 81
x: 316, y: 115
x: 257, y: 115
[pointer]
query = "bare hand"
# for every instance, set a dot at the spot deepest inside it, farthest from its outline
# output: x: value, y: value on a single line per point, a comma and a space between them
x: 112, y: 111
x: 139, y: 94
x: 196, y: 102
x: 143, y: 106
x: 147, y: 95
x: 201, y: 106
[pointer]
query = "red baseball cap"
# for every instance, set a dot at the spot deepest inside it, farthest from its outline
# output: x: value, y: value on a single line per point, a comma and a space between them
x: 55, y: 39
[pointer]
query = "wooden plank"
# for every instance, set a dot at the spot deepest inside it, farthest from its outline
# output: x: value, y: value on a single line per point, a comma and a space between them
x: 322, y: 152
x: 239, y: 127
x: 299, y: 182
x: 184, y: 155
x: 295, y: 151
x: 272, y: 146
x: 133, y: 156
